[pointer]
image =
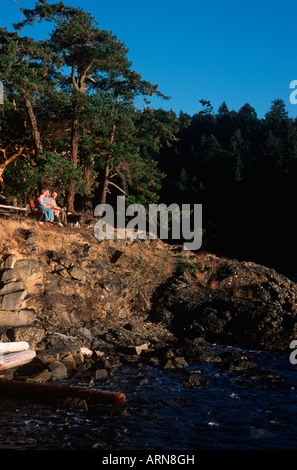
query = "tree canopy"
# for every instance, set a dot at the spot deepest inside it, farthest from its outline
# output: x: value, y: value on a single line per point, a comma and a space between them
x: 74, y: 96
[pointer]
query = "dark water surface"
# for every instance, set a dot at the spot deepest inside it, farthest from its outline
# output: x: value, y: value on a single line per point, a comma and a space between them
x: 161, y: 413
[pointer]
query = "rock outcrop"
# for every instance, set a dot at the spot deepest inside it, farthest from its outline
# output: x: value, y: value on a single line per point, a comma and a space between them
x: 60, y: 287
x: 230, y: 302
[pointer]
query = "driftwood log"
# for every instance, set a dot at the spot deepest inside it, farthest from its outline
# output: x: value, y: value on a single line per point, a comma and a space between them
x: 19, y: 354
x: 16, y: 359
x: 52, y: 393
x: 12, y: 208
x: 13, y: 346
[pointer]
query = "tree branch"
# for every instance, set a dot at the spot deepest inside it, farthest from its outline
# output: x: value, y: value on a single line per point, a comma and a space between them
x: 120, y: 189
x: 84, y: 75
x: 6, y: 162
x: 4, y: 153
x: 74, y: 82
x: 15, y: 156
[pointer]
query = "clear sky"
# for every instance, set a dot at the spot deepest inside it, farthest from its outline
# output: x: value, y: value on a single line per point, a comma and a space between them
x: 218, y: 50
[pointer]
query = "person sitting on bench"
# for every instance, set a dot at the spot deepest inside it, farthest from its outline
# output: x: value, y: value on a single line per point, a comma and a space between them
x: 43, y: 206
x: 51, y: 201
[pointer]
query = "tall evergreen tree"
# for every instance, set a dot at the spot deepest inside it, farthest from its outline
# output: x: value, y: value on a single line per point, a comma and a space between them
x: 98, y: 62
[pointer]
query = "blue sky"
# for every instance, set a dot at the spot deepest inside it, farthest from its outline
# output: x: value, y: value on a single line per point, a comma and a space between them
x: 234, y: 51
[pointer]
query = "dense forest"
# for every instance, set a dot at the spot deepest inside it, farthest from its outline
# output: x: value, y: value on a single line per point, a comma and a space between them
x: 78, y: 118
x: 243, y: 170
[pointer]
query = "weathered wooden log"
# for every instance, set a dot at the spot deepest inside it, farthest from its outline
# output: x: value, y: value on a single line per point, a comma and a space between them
x: 15, y: 208
x: 16, y: 359
x: 49, y: 393
x: 13, y: 346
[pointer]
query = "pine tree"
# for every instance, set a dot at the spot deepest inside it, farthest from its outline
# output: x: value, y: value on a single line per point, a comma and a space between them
x: 98, y: 63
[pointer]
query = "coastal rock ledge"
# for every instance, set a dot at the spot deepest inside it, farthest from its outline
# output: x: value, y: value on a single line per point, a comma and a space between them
x: 233, y: 303
x: 63, y: 287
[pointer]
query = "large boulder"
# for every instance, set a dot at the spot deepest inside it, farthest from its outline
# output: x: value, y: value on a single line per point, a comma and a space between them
x: 230, y: 302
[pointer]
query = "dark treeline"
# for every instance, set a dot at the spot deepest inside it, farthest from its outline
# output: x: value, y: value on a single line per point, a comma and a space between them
x: 243, y: 170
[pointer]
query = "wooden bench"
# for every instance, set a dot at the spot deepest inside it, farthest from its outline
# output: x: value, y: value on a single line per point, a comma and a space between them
x: 35, y: 211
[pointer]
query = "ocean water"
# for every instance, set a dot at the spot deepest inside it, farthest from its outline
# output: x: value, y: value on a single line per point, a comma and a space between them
x: 161, y: 413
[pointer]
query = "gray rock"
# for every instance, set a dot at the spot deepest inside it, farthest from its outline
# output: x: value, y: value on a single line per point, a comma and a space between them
x: 113, y: 284
x: 194, y: 380
x: 68, y: 360
x: 20, y: 318
x: 77, y: 273
x: 13, y: 301
x: 66, y: 262
x: 135, y: 350
x: 28, y: 268
x: 58, y: 369
x: 9, y: 275
x: 100, y: 373
x: 230, y: 302
x: 173, y: 363
x: 13, y: 286
x: 10, y: 261
x: 31, y: 334
x: 197, y: 350
x: 42, y: 376
x: 56, y: 255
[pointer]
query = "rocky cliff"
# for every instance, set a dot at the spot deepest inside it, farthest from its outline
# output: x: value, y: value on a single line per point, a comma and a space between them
x: 61, y: 286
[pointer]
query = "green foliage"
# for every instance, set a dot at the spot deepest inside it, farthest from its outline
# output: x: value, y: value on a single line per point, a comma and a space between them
x: 25, y: 65
x: 74, y: 97
x: 183, y: 265
x: 23, y: 179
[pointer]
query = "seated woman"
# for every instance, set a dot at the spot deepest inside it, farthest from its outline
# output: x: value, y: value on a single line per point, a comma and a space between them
x: 43, y: 206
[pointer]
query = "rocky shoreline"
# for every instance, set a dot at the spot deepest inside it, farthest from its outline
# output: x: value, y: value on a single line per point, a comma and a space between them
x: 90, y: 307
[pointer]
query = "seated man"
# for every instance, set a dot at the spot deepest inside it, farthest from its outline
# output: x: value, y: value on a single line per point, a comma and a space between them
x: 44, y: 206
x: 57, y: 210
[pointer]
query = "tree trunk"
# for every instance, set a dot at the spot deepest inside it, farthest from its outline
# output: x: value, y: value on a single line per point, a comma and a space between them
x: 70, y: 199
x: 74, y: 154
x: 88, y: 180
x: 75, y: 139
x: 105, y: 185
x: 48, y: 393
x: 34, y: 126
x: 79, y: 83
x: 107, y: 170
